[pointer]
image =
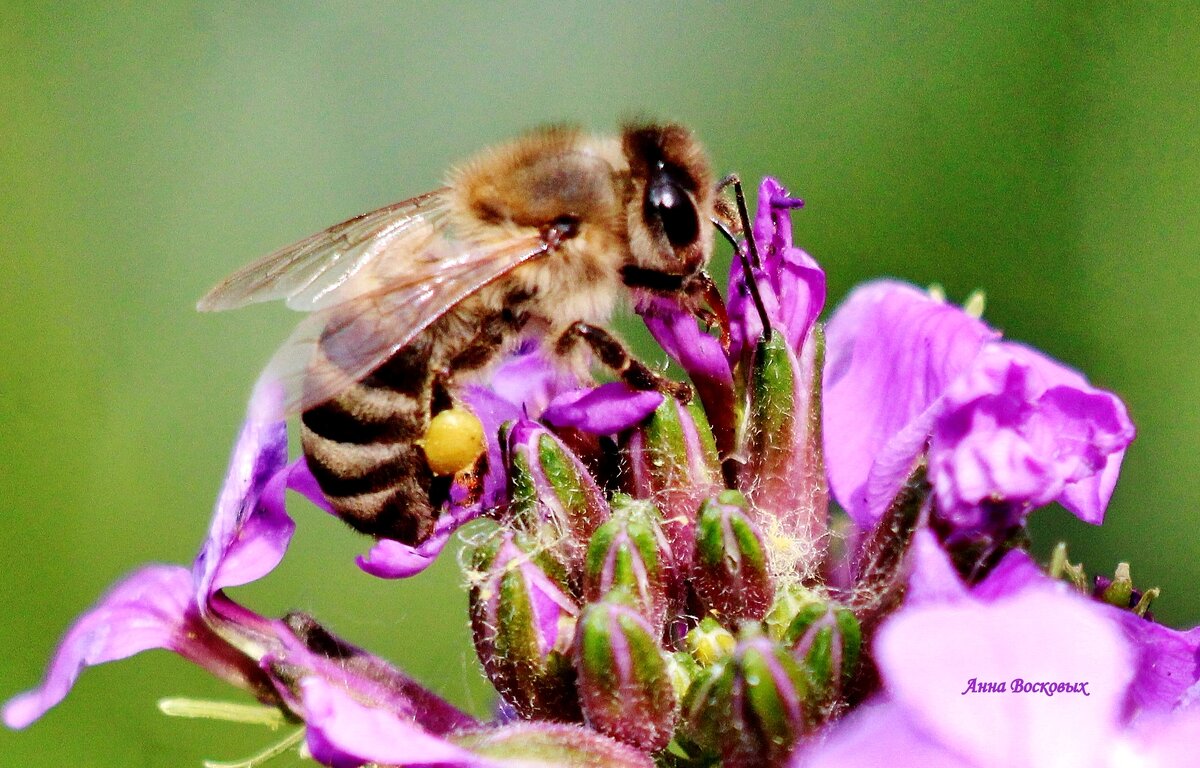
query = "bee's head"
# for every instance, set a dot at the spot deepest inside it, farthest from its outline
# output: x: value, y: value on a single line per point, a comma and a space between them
x: 670, y: 234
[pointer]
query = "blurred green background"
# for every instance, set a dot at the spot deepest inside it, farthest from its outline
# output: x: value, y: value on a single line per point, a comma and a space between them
x: 1049, y: 154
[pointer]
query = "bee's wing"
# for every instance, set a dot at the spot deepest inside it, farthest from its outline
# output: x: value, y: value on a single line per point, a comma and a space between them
x: 320, y: 270
x: 386, y: 309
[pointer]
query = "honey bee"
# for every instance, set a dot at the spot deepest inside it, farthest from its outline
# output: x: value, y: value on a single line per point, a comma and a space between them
x: 539, y: 238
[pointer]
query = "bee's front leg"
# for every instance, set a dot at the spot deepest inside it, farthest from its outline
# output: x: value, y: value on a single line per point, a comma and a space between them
x: 614, y: 355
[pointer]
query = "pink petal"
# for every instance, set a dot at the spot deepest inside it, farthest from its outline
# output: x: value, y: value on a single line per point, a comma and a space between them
x: 345, y: 733
x: 604, y: 410
x: 891, y: 353
x: 145, y: 610
x: 250, y: 528
x: 928, y: 654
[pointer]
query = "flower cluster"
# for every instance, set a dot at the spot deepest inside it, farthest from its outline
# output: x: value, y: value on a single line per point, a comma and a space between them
x: 667, y: 583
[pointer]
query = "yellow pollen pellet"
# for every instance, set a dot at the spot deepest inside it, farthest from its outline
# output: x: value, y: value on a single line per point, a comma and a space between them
x: 453, y: 441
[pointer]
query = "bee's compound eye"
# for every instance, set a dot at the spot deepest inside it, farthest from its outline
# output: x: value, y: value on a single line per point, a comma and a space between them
x: 670, y: 205
x: 454, y: 441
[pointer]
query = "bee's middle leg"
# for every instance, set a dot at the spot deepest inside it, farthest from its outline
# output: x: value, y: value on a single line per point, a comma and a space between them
x: 613, y: 354
x: 476, y: 352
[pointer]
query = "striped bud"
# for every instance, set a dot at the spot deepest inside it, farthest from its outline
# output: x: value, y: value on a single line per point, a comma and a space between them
x: 626, y: 556
x: 785, y: 476
x: 551, y: 494
x: 625, y: 684
x: 673, y: 462
x: 523, y: 620
x: 730, y: 572
x: 826, y: 638
x: 751, y: 707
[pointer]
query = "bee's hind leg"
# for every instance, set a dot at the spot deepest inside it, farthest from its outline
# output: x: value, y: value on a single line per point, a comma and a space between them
x: 613, y: 354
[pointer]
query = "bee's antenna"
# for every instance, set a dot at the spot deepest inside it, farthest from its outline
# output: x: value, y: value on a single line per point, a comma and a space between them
x: 749, y: 262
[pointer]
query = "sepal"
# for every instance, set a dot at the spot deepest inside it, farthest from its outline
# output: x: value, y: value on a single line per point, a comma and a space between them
x: 551, y: 494
x: 625, y: 685
x: 522, y: 619
x: 752, y: 707
x: 731, y: 571
x: 627, y: 555
x: 673, y: 462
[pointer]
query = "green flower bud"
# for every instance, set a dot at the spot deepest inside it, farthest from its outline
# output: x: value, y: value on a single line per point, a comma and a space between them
x: 826, y: 638
x: 673, y: 462
x: 785, y: 474
x: 551, y: 494
x: 523, y: 620
x: 625, y: 685
x: 751, y: 707
x: 625, y: 556
x: 730, y: 571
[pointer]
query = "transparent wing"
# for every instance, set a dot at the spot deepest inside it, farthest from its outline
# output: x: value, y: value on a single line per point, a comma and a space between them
x: 340, y: 344
x: 323, y: 270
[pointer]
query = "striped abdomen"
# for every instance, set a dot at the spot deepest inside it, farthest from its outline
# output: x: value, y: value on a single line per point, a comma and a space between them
x: 362, y: 447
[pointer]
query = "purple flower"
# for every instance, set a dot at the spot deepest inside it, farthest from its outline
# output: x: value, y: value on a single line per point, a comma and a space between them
x: 651, y: 589
x: 163, y: 606
x: 792, y: 287
x: 603, y: 410
x: 1020, y: 670
x: 954, y: 669
x: 790, y: 282
x: 777, y: 439
x: 701, y: 356
x: 1005, y: 429
x: 168, y: 607
x: 148, y: 609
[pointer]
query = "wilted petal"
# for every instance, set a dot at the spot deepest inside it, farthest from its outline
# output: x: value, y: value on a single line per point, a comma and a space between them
x: 345, y: 734
x: 145, y: 610
x: 604, y: 410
